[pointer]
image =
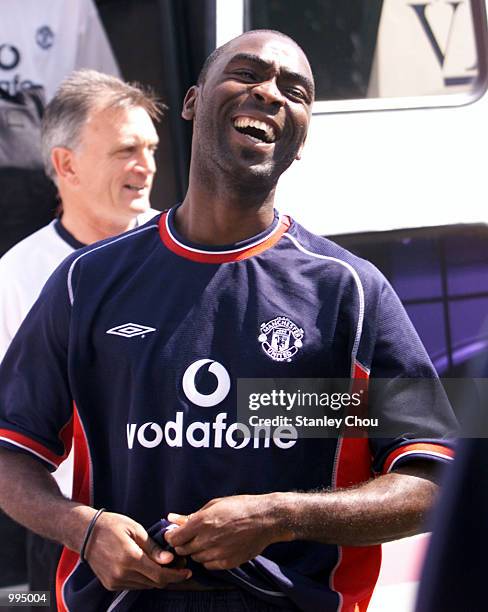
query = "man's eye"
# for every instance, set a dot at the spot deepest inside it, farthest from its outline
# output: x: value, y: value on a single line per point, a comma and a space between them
x: 296, y: 93
x: 246, y: 74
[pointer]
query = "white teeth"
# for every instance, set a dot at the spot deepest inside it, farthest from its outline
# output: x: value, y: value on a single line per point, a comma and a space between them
x: 244, y: 122
x: 134, y: 187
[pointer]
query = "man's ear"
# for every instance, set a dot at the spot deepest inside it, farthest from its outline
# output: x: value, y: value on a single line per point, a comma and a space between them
x: 299, y: 154
x: 189, y: 103
x: 63, y: 161
x: 300, y: 150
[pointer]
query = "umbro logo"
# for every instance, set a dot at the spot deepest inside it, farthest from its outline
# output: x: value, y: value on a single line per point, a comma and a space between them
x: 130, y: 330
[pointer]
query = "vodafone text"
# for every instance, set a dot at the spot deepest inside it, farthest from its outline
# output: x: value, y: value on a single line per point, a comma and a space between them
x: 213, y: 434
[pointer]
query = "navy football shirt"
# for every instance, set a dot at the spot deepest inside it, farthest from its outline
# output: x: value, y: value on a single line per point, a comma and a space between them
x: 133, y: 351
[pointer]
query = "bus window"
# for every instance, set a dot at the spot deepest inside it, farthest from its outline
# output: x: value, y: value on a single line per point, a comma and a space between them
x: 441, y: 276
x: 380, y: 48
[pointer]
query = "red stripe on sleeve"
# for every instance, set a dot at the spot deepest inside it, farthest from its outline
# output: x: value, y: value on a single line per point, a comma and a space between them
x: 21, y: 441
x: 425, y: 449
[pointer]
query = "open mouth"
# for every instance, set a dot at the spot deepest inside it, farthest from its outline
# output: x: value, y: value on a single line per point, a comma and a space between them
x: 257, y: 130
x: 136, y: 188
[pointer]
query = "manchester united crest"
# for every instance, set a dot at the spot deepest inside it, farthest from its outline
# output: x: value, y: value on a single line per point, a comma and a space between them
x: 280, y: 338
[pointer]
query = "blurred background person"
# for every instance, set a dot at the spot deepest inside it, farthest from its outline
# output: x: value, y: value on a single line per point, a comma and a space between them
x: 98, y: 145
x: 40, y: 44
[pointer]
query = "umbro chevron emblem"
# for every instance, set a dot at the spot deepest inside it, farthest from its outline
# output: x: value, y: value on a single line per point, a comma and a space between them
x: 130, y: 330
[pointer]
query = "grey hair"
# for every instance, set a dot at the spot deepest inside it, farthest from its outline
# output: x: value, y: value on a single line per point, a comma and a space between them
x: 80, y: 93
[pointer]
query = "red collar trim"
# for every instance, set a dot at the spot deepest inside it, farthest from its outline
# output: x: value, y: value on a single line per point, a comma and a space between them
x: 202, y: 256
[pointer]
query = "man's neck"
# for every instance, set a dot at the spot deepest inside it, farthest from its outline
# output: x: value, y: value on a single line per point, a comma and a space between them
x: 88, y: 230
x: 218, y: 216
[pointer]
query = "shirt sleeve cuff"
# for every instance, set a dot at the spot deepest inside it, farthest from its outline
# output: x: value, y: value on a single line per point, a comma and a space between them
x: 417, y: 450
x: 17, y: 441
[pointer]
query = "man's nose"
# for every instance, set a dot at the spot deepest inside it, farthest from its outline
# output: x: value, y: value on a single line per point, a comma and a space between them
x: 146, y: 162
x: 269, y: 93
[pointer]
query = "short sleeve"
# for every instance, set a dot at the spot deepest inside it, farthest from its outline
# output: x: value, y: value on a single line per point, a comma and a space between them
x: 406, y: 396
x: 35, y: 400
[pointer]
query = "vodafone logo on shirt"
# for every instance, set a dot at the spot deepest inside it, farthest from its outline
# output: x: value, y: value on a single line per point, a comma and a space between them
x: 210, y: 399
x: 208, y: 434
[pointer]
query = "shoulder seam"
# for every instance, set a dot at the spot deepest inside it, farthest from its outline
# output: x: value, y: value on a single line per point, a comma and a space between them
x: 97, y: 248
x: 359, y: 286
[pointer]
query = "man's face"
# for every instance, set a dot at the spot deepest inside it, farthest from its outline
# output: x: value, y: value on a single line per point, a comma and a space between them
x: 251, y: 114
x: 114, y: 163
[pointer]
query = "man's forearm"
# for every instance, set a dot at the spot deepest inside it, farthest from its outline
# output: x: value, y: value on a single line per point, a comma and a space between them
x: 120, y: 551
x: 387, y: 508
x: 229, y: 531
x: 30, y: 495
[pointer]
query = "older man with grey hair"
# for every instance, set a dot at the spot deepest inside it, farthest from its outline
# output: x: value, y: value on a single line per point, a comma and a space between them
x: 98, y: 145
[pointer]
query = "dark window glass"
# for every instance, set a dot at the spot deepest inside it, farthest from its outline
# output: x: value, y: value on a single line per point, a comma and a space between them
x: 338, y: 37
x: 415, y: 269
x: 429, y: 322
x: 467, y: 264
x: 379, y: 48
x: 441, y: 275
x: 467, y: 321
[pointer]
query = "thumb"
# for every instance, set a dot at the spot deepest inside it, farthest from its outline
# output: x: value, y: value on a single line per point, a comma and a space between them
x: 178, y: 519
x: 152, y: 548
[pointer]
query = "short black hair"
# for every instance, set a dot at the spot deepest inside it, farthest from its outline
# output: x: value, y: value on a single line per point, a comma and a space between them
x: 216, y: 53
